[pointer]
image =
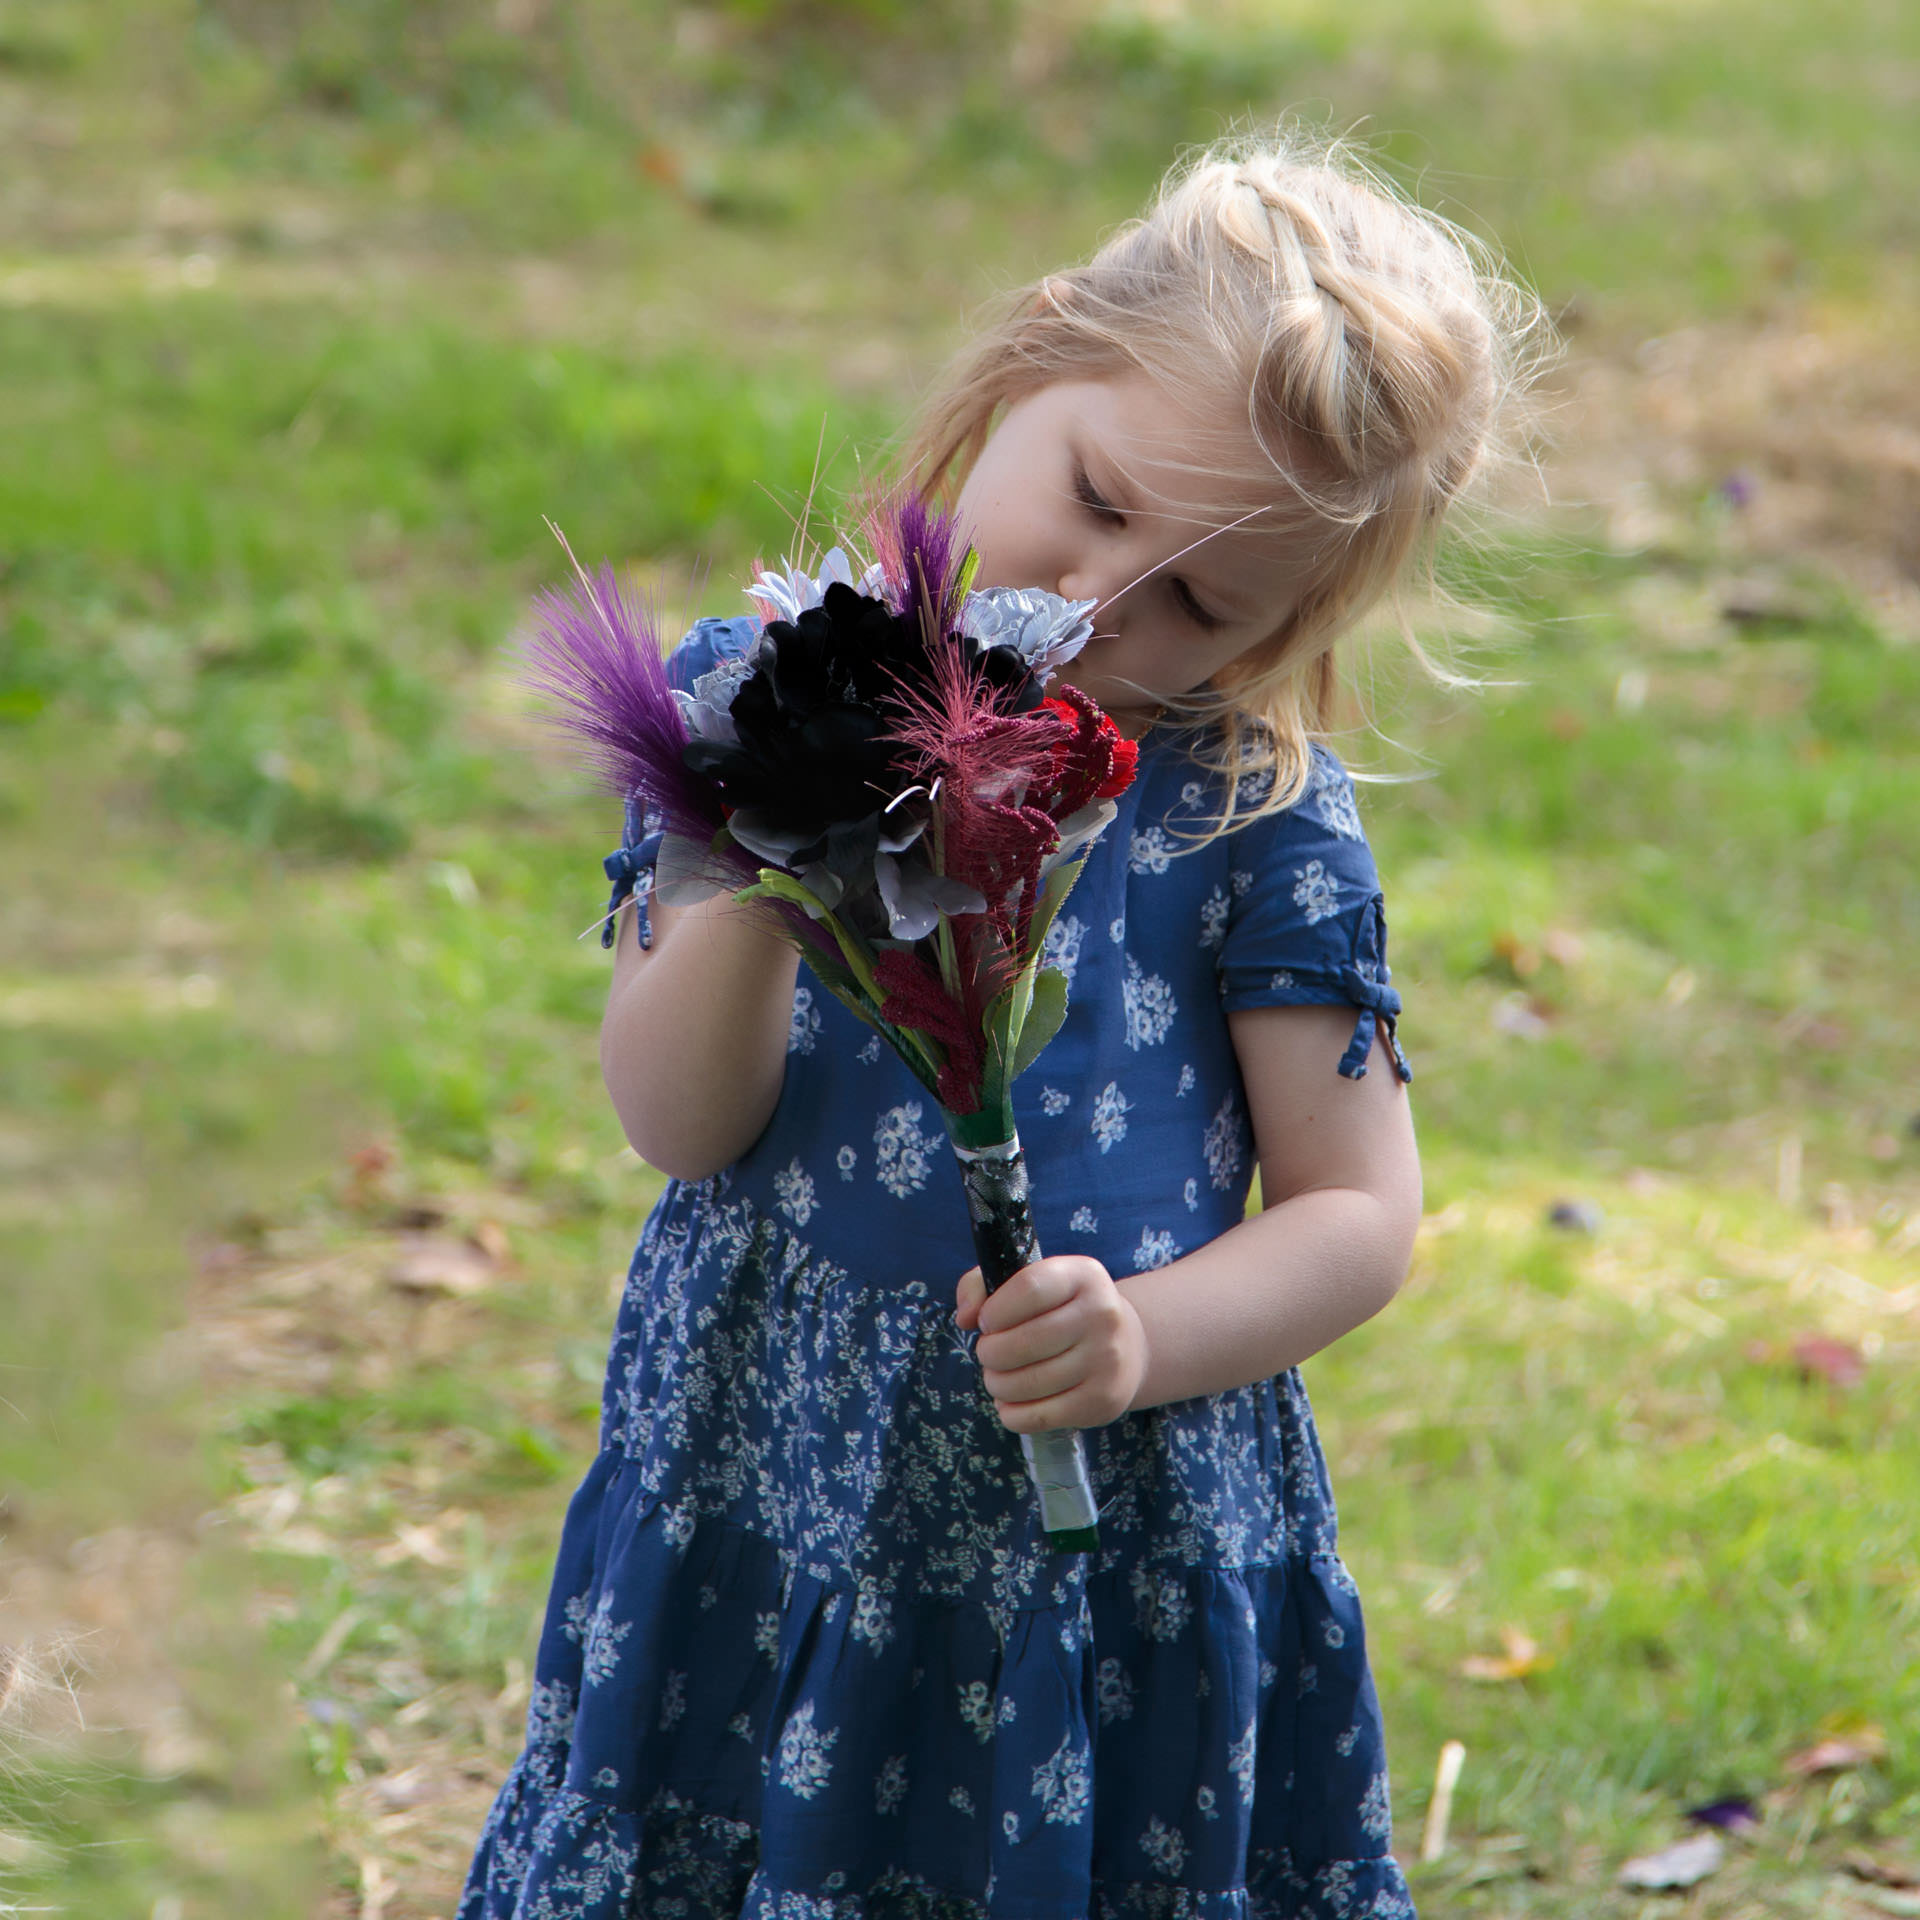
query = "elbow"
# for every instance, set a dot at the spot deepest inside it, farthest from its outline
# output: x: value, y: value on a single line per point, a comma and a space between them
x: 666, y: 1142
x: 672, y: 1152
x: 1400, y: 1216
x: 686, y: 1139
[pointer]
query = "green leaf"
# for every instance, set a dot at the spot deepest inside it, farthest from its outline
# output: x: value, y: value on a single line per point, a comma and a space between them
x: 839, y: 982
x: 775, y: 885
x: 1043, y: 1019
x: 1059, y: 884
x: 1006, y: 1016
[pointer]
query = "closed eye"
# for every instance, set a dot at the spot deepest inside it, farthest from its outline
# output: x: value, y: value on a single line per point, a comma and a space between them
x: 1184, y: 600
x: 1089, y: 497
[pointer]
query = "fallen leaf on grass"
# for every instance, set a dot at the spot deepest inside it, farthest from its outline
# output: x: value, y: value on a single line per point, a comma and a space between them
x: 1813, y: 1356
x: 1684, y: 1864
x: 435, y: 1263
x: 1881, y: 1872
x: 1889, y: 1899
x: 1731, y: 1816
x: 1575, y: 1216
x: 1563, y: 947
x: 1835, y: 1361
x: 1521, y: 957
x: 1525, y: 1019
x: 1522, y: 1657
x: 1840, y: 1752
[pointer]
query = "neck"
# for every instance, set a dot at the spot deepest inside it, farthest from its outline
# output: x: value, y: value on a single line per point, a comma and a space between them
x: 1135, y: 721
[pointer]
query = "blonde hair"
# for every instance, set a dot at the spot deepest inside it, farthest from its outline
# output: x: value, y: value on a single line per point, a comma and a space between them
x: 1373, y: 348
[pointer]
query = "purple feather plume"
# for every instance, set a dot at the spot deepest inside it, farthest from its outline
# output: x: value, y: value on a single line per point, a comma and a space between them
x: 919, y: 544
x: 599, y: 660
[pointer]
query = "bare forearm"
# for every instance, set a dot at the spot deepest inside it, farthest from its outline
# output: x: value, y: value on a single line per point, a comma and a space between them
x: 1268, y: 1293
x: 694, y: 1045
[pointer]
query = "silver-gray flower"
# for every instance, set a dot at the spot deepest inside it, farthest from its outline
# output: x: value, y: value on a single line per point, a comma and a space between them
x: 1043, y: 629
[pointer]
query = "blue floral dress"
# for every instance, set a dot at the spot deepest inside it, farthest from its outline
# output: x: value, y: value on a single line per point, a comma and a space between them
x: 807, y: 1655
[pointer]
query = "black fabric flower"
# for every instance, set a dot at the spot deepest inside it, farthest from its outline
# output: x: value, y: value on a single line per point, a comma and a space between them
x: 812, y: 752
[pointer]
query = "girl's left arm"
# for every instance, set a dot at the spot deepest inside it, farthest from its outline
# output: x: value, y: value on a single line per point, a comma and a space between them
x: 1340, y: 1182
x: 1066, y: 1344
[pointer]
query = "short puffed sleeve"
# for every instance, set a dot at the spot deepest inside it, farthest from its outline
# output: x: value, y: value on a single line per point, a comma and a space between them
x: 630, y: 865
x: 1306, y: 921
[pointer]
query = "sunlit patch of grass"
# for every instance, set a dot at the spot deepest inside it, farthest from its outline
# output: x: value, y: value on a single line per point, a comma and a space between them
x: 1626, y: 1465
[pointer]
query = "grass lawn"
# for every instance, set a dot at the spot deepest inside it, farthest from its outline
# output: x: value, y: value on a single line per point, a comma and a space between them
x: 311, y: 1205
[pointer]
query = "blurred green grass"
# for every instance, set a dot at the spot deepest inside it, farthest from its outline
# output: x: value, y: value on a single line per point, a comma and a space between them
x: 308, y: 314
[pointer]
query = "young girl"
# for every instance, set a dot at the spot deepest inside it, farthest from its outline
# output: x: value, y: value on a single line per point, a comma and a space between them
x: 807, y: 1653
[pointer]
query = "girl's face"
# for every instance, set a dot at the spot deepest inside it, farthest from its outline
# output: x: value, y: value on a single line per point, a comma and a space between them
x: 1101, y: 490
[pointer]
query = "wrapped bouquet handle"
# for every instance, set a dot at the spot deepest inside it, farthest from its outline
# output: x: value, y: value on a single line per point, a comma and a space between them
x: 993, y: 1170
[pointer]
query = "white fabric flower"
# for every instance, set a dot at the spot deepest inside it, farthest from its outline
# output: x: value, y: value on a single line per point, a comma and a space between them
x: 1043, y: 629
x: 787, y: 594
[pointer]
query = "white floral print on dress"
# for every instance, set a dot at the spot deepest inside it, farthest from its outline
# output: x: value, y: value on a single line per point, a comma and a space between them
x: 1333, y: 800
x: 766, y: 1635
x: 1190, y: 1193
x: 1053, y: 1103
x: 604, y: 1634
x: 1157, y: 1248
x: 1316, y: 892
x: 1240, y: 1764
x: 1185, y: 1085
x: 976, y: 1709
x: 1164, y: 1846
x: 1110, y: 1109
x: 1213, y: 918
x: 805, y: 1027
x: 902, y: 1154
x: 890, y: 1784
x: 1061, y: 1784
x: 1148, y: 1003
x: 805, y: 1759
x: 1061, y: 948
x: 673, y: 1700
x: 793, y: 1187
x: 1149, y: 851
x: 1161, y: 1604
x: 1113, y: 1691
x: 1225, y: 1143
x: 1376, y: 1810
x: 846, y: 1160
x: 1084, y: 1220
x: 873, y: 1618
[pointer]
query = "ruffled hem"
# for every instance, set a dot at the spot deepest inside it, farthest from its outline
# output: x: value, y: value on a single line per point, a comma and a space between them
x: 593, y: 1862
x: 705, y: 1717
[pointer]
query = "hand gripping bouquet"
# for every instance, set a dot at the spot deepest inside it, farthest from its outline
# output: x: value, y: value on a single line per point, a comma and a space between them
x: 885, y: 771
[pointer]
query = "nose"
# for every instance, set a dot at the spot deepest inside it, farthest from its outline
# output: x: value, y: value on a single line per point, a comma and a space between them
x: 1080, y: 581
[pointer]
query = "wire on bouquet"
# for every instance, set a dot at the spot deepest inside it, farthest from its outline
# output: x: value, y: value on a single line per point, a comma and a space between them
x: 884, y: 770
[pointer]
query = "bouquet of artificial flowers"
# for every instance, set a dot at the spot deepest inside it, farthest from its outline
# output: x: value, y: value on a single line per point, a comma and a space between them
x: 884, y: 769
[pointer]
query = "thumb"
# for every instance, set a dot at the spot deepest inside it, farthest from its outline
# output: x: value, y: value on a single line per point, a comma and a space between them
x: 969, y: 1296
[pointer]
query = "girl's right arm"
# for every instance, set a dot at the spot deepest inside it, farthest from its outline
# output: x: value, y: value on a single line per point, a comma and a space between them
x: 694, y: 1044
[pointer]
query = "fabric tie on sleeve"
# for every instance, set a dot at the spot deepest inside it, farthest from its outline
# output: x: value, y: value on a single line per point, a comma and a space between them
x: 630, y: 868
x: 1379, y: 1003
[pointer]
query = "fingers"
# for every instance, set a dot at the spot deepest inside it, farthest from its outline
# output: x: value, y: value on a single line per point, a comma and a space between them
x: 1040, y: 1288
x: 969, y: 1295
